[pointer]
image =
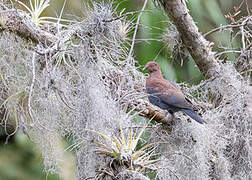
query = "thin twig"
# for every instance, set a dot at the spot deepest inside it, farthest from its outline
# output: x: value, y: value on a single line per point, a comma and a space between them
x: 135, y: 32
x: 90, y: 178
x: 247, y: 6
x: 226, y: 52
x: 248, y: 47
x: 223, y: 28
x: 243, y: 38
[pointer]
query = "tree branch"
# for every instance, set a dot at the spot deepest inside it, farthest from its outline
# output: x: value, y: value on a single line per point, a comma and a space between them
x: 17, y: 21
x: 197, y: 45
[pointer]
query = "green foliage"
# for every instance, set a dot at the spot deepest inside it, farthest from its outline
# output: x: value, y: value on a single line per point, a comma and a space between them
x: 20, y: 160
x: 150, y: 32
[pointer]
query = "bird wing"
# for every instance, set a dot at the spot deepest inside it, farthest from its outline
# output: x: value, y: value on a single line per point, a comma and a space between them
x: 168, y: 93
x: 175, y: 99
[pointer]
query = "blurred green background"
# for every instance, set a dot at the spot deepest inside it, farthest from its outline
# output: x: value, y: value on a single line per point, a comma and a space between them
x: 21, y: 160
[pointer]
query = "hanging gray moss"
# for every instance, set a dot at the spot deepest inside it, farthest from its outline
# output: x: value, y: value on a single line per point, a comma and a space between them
x: 82, y: 80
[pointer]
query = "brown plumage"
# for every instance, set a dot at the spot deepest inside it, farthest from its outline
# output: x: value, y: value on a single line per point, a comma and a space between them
x: 166, y: 95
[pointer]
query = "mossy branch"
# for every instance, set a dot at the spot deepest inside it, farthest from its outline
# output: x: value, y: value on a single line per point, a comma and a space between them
x: 199, y: 48
x: 17, y: 21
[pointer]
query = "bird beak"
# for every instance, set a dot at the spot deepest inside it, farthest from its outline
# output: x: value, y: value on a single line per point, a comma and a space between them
x: 145, y: 67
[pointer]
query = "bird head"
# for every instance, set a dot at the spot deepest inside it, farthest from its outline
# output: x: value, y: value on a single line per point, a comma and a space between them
x: 152, y: 67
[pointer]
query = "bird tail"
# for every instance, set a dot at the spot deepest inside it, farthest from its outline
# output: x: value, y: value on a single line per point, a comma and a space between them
x: 193, y: 115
